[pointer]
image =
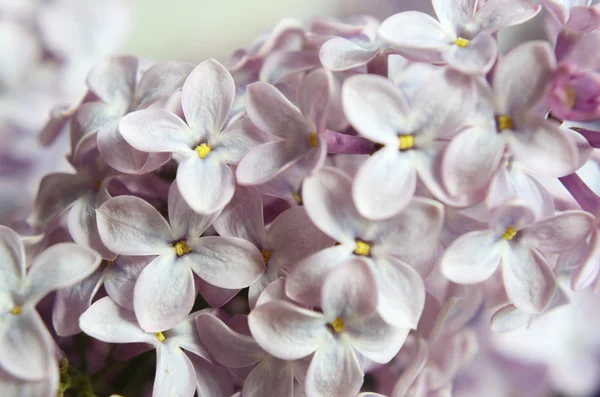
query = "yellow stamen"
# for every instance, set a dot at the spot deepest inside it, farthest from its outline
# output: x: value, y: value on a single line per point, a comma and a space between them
x: 16, y: 311
x: 462, y: 42
x: 510, y: 233
x: 160, y: 336
x: 312, y: 140
x: 266, y: 255
x: 297, y: 197
x: 338, y: 324
x: 362, y: 248
x: 406, y: 142
x: 110, y: 263
x: 203, y: 150
x: 182, y: 248
x: 504, y: 123
x: 571, y: 97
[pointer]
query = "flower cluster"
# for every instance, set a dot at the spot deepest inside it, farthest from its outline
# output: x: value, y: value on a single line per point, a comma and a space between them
x: 330, y: 214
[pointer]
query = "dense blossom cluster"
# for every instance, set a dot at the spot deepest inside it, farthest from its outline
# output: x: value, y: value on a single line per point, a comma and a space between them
x: 347, y: 208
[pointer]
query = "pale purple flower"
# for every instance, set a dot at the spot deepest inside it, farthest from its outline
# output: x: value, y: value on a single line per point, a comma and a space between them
x: 348, y: 327
x: 26, y: 346
x: 164, y: 292
x: 205, y: 144
x: 12, y: 386
x: 571, y: 15
x: 464, y: 32
x: 517, y: 243
x: 175, y: 374
x: 410, y: 133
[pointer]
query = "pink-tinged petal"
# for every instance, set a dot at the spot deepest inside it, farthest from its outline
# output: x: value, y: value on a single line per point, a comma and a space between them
x: 71, y: 302
x: 557, y: 9
x: 274, y: 291
x: 157, y: 130
x: 314, y: 95
x: 413, y: 369
x: 271, y: 377
x: 57, y: 192
x: 215, y: 296
x: 375, y: 339
x: 529, y: 281
x: 26, y: 347
x: 350, y: 290
x: 129, y: 225
x: 470, y: 160
x: 339, y: 54
x: 494, y: 15
x: 211, y: 380
x: 508, y: 319
x: 184, y: 221
x: 243, y: 216
x: 59, y: 266
x: 334, y: 371
x: 522, y: 76
x: 12, y: 259
x: 226, y: 262
x: 161, y: 81
x: 238, y: 138
x: 375, y: 107
x: 119, y: 279
x: 477, y: 58
x: 280, y: 65
x: 207, y: 96
x: 515, y: 213
x: 584, y: 19
x: 273, y: 113
x: 401, y: 294
x: 455, y: 14
x: 113, y: 79
x: 414, y: 29
x: 109, y: 322
x: 327, y: 197
x: 384, y: 184
x: 164, y: 293
x: 175, y: 374
x: 560, y: 233
x: 185, y: 335
x: 206, y: 184
x: 90, y: 117
x: 471, y: 258
x: 287, y: 331
x: 266, y: 161
x: 84, y: 228
x: 543, y: 148
x: 306, y: 278
x: 17, y: 387
x: 226, y: 346
x: 587, y: 260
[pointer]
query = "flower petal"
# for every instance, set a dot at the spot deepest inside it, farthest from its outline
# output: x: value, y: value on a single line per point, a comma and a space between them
x: 109, y: 322
x: 477, y: 58
x: 129, y: 225
x: 206, y: 184
x: 119, y: 279
x: 508, y: 319
x: 113, y: 79
x: 226, y: 262
x: 339, y: 54
x: 184, y: 221
x: 264, y: 162
x: 376, y: 339
x: 83, y: 226
x: 238, y: 138
x: 270, y: 377
x: 414, y: 29
x: 287, y: 331
x: 207, y: 96
x: 12, y: 259
x: 529, y: 281
x: 455, y: 14
x: 560, y: 233
x: 494, y: 15
x: 314, y: 94
x: 384, y: 184
x: 211, y: 380
x: 161, y: 81
x: 175, y: 374
x: 164, y: 293
x: 471, y: 258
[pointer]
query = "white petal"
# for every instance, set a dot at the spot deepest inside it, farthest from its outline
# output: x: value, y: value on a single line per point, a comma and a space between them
x: 175, y: 374
x: 471, y: 258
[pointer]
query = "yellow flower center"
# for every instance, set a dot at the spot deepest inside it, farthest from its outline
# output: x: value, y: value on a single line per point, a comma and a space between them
x: 266, y: 255
x: 203, y: 150
x: 338, y: 324
x: 504, y: 123
x: 298, y: 198
x: 362, y: 248
x: 462, y: 42
x: 16, y: 311
x: 312, y: 140
x: 571, y: 97
x: 182, y: 248
x: 406, y: 142
x: 510, y: 233
x: 110, y: 263
x: 160, y: 336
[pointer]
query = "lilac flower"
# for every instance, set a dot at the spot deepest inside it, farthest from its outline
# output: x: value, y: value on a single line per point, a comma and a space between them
x: 349, y: 324
x: 299, y: 129
x: 175, y: 374
x: 164, y: 292
x: 517, y: 242
x: 13, y: 386
x: 410, y: 134
x: 464, y: 32
x: 26, y: 346
x: 203, y: 176
x: 572, y: 15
